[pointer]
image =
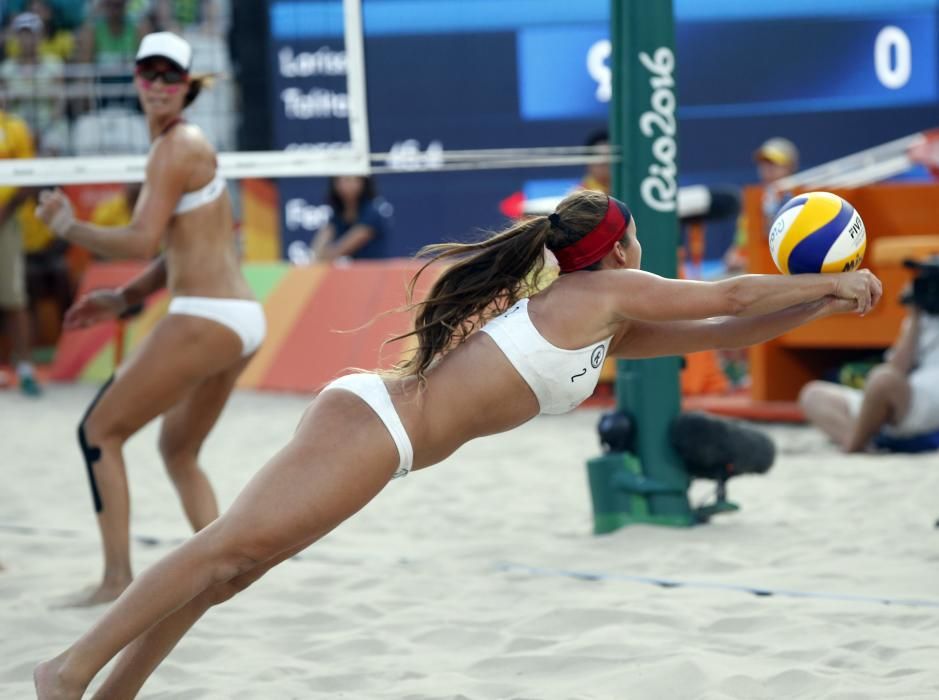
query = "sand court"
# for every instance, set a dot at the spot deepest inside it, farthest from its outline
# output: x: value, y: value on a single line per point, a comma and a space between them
x: 452, y: 583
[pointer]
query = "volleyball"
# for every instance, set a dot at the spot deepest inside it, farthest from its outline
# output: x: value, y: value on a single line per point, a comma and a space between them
x: 817, y: 232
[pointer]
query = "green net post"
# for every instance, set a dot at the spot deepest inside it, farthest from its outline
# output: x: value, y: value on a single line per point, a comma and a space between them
x: 651, y: 485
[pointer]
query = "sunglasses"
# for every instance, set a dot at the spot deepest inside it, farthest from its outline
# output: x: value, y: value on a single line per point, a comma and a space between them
x: 170, y: 76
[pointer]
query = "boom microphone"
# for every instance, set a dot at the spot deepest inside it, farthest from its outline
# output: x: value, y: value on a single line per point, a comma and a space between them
x: 717, y: 448
x: 700, y: 203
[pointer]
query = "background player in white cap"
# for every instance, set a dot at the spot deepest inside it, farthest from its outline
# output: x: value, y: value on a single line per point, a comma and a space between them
x: 186, y: 368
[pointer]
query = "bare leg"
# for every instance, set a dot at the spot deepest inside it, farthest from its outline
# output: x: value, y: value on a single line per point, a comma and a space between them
x: 185, y: 427
x: 886, y: 400
x: 19, y: 335
x: 20, y: 356
x: 113, y: 524
x: 340, y: 458
x: 144, y: 654
x: 152, y: 381
x: 827, y: 409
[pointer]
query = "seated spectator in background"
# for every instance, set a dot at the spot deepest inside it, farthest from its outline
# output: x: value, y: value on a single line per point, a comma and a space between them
x: 55, y: 41
x: 776, y: 159
x: 109, y: 42
x: 900, y: 397
x: 34, y: 86
x: 359, y: 225
x: 15, y: 142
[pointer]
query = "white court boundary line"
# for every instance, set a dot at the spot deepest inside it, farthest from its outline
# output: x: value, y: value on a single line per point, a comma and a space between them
x: 762, y: 591
x: 587, y: 576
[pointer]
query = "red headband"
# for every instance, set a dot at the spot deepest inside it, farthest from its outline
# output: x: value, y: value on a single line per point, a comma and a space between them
x: 598, y: 242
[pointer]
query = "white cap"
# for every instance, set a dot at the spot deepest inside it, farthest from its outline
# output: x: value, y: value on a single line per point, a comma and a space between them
x: 27, y: 20
x: 166, y: 45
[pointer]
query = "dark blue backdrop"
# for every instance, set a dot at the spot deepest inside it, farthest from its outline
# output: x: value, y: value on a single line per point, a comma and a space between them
x: 835, y: 76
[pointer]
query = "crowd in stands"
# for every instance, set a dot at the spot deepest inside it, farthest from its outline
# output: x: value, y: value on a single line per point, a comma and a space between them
x: 67, y: 69
x: 66, y: 89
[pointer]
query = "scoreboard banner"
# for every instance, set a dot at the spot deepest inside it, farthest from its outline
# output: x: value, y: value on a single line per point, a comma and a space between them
x: 468, y: 74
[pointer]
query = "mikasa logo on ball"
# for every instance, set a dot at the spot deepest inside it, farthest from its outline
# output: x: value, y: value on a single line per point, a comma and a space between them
x: 817, y: 232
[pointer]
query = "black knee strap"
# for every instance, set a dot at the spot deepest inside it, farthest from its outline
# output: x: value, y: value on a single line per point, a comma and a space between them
x: 92, y: 453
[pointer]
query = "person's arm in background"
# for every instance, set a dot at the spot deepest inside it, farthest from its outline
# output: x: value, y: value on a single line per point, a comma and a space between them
x: 373, y: 223
x: 348, y: 244
x: 902, y: 355
x: 322, y: 240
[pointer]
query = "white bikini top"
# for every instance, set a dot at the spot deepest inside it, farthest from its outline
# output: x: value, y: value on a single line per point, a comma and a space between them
x: 208, y: 193
x: 204, y: 195
x: 560, y: 379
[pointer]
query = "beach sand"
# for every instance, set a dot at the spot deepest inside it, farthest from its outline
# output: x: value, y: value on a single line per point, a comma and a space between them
x: 448, y: 585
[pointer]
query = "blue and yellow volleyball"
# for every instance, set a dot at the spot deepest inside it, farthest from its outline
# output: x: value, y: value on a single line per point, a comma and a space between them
x: 817, y: 232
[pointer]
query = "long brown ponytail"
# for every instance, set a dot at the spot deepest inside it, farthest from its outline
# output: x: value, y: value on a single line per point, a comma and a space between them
x: 198, y: 83
x: 489, y: 276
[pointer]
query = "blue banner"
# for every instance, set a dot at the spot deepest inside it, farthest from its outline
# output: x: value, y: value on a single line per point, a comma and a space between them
x: 833, y: 76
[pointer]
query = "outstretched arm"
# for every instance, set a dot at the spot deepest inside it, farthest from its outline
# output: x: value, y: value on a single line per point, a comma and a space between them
x: 655, y: 339
x: 642, y: 296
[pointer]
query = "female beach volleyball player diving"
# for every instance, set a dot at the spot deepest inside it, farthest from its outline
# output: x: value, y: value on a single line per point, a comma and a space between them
x: 186, y: 367
x: 534, y: 355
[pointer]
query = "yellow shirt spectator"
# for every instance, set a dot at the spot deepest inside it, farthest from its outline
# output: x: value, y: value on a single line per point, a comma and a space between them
x: 36, y: 235
x: 114, y: 211
x: 60, y: 46
x: 15, y: 142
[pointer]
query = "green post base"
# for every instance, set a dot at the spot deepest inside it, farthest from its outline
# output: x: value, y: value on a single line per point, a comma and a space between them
x: 623, y: 495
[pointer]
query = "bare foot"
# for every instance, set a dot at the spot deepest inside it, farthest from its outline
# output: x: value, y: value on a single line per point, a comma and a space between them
x: 51, y: 684
x: 96, y: 595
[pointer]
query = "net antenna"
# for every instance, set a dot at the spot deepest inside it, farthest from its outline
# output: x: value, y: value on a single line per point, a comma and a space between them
x: 354, y: 160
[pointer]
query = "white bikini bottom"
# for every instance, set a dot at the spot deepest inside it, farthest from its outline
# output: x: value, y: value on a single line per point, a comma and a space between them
x: 372, y: 390
x: 244, y: 316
